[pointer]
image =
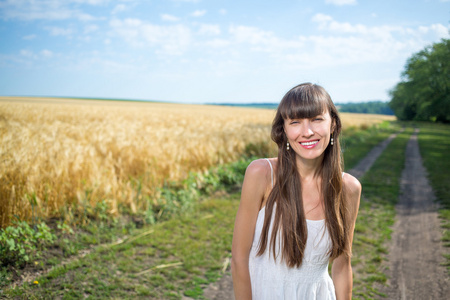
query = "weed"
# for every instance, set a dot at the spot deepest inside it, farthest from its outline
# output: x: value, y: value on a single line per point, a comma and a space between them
x: 20, y: 243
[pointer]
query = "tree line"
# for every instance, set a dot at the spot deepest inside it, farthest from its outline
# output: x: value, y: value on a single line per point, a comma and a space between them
x: 423, y: 94
x: 371, y: 107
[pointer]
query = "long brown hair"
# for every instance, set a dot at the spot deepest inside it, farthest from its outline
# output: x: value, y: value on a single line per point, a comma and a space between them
x: 305, y: 101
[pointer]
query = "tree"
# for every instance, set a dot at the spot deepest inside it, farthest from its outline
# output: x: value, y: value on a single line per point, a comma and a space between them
x: 371, y: 107
x: 424, y: 92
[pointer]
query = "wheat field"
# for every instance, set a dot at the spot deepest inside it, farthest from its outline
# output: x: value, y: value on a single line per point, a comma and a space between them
x: 61, y: 153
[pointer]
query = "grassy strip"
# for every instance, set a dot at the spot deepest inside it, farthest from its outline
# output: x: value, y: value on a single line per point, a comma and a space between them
x: 381, y: 187
x: 434, y: 142
x: 176, y: 256
x: 357, y: 143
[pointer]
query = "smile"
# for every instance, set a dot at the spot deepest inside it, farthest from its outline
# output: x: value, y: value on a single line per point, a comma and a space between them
x: 309, y: 144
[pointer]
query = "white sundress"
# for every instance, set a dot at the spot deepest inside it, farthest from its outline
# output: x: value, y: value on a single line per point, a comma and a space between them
x: 273, y: 279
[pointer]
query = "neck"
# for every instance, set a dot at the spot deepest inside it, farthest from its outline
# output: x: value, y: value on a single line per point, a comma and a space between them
x: 308, y: 167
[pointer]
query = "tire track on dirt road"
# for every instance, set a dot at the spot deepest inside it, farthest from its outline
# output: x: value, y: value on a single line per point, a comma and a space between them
x: 416, y: 250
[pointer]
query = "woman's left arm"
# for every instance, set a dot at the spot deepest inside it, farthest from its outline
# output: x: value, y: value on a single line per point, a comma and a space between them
x: 342, y: 275
x: 341, y: 270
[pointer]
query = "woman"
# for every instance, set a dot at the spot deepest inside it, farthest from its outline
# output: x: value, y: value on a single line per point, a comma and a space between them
x: 298, y: 210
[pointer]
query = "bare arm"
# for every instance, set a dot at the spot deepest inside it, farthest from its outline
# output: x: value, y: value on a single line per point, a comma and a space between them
x: 341, y: 271
x: 253, y: 190
x: 342, y: 275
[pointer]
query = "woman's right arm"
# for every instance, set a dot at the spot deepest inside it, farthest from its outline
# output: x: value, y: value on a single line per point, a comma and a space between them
x: 253, y: 189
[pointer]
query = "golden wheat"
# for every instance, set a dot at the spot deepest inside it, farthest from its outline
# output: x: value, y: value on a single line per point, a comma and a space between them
x: 56, y: 154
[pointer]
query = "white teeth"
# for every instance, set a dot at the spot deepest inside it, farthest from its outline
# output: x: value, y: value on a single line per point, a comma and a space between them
x: 309, y: 143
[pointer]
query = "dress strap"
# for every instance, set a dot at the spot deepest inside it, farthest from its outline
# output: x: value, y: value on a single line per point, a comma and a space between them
x: 271, y: 170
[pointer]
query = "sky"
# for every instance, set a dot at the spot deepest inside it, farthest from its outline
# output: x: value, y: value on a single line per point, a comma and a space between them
x: 212, y: 51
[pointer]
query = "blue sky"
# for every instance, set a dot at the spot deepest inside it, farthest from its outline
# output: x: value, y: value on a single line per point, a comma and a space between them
x: 201, y: 51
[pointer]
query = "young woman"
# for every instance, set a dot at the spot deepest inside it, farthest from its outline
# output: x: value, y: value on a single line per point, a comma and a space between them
x: 298, y: 210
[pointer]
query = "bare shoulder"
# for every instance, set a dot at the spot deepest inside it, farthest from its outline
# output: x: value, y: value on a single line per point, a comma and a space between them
x: 352, y: 189
x: 257, y: 178
x: 259, y: 169
x: 256, y: 181
x: 351, y: 184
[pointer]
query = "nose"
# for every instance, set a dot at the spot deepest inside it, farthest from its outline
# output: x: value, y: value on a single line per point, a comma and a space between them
x: 306, y: 129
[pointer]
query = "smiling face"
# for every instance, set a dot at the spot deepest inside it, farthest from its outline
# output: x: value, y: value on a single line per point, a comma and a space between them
x: 309, y: 137
x: 306, y: 117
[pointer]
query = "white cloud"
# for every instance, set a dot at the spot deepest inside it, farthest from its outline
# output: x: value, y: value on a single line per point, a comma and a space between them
x: 327, y: 23
x: 90, y: 28
x: 29, y: 10
x: 91, y: 2
x: 335, y: 51
x: 217, y: 43
x: 46, y: 53
x: 339, y: 44
x: 30, y: 56
x: 29, y: 37
x: 170, y: 18
x: 347, y: 43
x: 341, y: 2
x: 187, y: 1
x: 208, y: 29
x: 252, y: 35
x: 436, y: 29
x: 58, y: 31
x: 119, y: 8
x: 335, y: 44
x: 384, y: 32
x: 85, y: 17
x: 322, y: 19
x: 170, y: 40
x: 26, y: 53
x: 198, y: 13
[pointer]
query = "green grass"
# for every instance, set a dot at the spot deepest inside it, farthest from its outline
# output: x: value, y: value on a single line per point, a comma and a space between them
x: 381, y: 187
x: 164, y: 261
x: 190, y: 245
x: 357, y: 143
x: 434, y: 142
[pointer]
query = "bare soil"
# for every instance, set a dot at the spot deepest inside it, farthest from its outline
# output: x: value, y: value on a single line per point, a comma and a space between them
x: 415, y: 257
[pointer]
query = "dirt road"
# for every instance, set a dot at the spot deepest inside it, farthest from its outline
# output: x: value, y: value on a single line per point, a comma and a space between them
x: 415, y: 254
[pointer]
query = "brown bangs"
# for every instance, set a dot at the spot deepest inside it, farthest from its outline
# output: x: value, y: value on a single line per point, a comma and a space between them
x: 303, y: 103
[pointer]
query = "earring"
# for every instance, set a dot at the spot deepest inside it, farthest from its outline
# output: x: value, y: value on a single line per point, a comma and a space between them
x: 287, y: 146
x: 332, y: 140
